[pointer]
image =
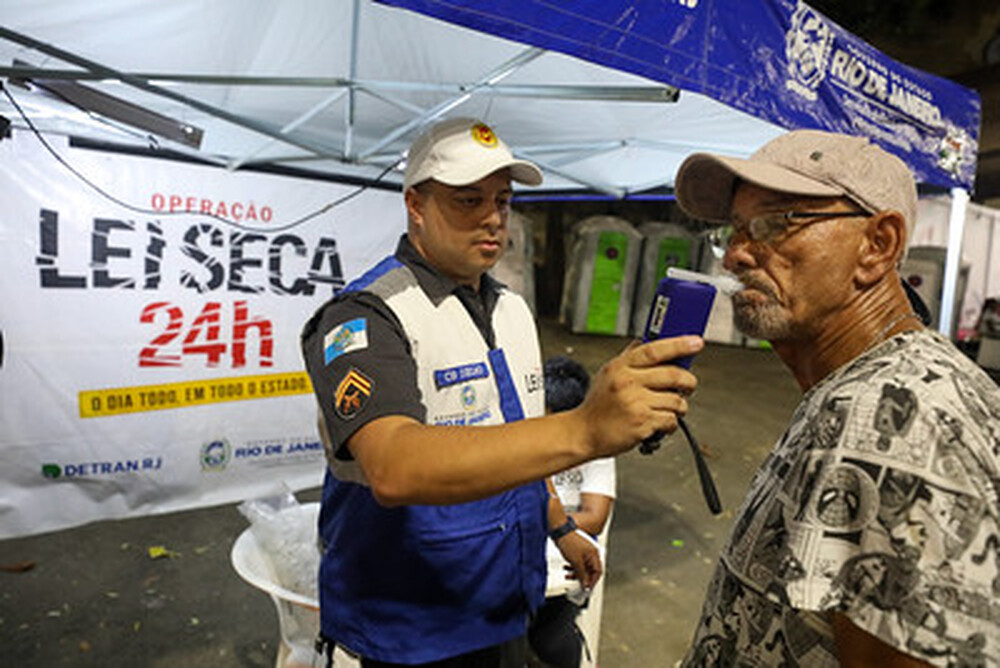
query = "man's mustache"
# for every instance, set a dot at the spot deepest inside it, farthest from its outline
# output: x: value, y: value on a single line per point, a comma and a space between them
x: 752, y: 283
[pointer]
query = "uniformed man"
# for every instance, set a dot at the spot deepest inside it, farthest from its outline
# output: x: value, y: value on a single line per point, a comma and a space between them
x: 428, y: 374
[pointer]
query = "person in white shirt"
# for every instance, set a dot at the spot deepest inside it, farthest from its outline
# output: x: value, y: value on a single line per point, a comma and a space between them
x: 587, y: 493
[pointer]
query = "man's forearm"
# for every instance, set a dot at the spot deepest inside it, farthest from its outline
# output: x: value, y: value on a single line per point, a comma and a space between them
x: 406, y: 462
x: 633, y: 395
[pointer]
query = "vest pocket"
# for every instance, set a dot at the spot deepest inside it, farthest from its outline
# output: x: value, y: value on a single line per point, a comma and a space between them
x: 479, y: 566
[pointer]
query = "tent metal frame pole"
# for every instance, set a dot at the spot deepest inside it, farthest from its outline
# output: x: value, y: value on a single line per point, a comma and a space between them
x: 352, y: 92
x: 161, y: 78
x: 392, y: 100
x: 441, y: 109
x: 329, y: 100
x: 488, y: 84
x: 142, y: 84
x: 611, y: 93
x: 990, y: 240
x: 586, y: 154
x: 351, y: 86
x: 953, y: 256
x: 570, y: 148
x: 600, y: 187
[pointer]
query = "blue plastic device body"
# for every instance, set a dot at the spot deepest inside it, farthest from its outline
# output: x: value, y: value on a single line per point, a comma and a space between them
x: 679, y: 308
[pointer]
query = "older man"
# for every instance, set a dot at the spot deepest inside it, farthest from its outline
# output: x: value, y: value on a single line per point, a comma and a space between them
x: 433, y: 514
x: 870, y: 536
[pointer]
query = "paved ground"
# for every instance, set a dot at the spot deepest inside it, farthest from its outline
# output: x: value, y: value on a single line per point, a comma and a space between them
x: 94, y: 597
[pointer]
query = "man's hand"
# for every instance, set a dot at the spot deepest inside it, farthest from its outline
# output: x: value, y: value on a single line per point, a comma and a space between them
x: 583, y: 556
x: 638, y: 393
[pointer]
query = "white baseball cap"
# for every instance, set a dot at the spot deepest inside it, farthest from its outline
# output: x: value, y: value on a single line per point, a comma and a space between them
x: 461, y: 151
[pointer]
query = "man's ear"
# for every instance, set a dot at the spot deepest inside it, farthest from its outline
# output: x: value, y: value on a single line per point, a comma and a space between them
x: 414, y: 206
x: 882, y: 246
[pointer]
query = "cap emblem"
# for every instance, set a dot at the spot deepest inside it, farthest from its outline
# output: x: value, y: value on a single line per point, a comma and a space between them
x: 484, y: 136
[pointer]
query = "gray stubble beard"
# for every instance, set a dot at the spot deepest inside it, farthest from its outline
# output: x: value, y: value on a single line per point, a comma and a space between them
x: 761, y: 320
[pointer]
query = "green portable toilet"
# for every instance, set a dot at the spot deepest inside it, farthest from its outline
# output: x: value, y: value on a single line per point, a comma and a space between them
x: 663, y: 245
x: 600, y: 275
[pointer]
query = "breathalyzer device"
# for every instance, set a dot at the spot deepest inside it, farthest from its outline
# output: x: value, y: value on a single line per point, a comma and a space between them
x: 681, y: 307
x: 682, y: 304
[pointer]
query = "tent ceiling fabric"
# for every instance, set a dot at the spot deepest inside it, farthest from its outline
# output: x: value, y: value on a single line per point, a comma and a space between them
x: 341, y: 88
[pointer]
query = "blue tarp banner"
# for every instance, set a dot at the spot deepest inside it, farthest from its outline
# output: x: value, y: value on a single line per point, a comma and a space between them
x: 777, y: 60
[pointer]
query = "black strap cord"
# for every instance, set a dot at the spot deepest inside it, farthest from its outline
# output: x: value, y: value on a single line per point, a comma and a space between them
x: 708, y: 489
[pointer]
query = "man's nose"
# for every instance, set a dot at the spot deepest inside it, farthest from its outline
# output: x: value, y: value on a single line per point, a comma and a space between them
x: 738, y: 254
x: 495, y: 217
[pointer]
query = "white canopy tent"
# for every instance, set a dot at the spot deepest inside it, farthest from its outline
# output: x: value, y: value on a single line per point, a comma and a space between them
x: 341, y: 88
x: 128, y: 311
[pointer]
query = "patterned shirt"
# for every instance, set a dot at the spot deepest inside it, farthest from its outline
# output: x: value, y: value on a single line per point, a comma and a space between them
x: 880, y: 501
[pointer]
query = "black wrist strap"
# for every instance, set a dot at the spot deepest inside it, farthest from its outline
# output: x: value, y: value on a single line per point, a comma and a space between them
x: 568, y: 527
x: 711, y: 494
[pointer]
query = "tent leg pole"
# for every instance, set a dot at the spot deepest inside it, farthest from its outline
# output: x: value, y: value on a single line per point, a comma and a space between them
x: 953, y: 256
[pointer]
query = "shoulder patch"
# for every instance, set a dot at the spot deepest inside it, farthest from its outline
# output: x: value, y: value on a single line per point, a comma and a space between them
x: 352, y: 394
x: 348, y: 336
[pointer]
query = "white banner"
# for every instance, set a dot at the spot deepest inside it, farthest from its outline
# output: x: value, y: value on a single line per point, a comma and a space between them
x: 151, y: 361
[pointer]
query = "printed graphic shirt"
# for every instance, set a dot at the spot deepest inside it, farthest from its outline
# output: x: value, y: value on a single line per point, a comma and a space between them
x: 880, y: 501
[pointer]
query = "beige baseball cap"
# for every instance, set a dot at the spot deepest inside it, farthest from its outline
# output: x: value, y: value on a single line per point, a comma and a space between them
x: 461, y: 151
x: 801, y: 162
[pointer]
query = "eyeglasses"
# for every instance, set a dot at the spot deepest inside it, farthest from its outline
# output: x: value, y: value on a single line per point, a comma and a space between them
x: 770, y: 227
